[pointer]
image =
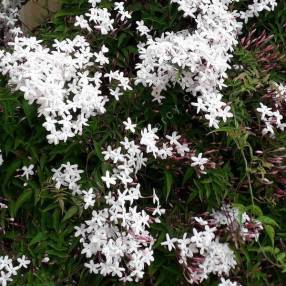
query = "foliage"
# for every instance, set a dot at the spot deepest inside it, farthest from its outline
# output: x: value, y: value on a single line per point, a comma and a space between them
x: 44, y: 217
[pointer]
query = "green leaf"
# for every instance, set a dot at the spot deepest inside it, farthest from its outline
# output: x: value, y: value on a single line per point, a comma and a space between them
x: 268, y: 249
x: 70, y: 213
x: 168, y: 183
x: 189, y: 173
x: 256, y: 210
x: 40, y: 236
x: 24, y: 197
x: 10, y: 170
x: 267, y: 220
x: 270, y: 232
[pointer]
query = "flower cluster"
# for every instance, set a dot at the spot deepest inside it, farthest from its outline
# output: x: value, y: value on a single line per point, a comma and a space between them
x: 58, y: 80
x: 247, y: 227
x: 68, y: 175
x: 202, y: 253
x: 116, y: 240
x: 279, y: 93
x: 256, y: 7
x: 9, y: 16
x: 123, y: 14
x: 133, y: 160
x: 271, y: 119
x: 8, y: 21
x: 197, y: 61
x: 8, y: 270
x: 100, y: 18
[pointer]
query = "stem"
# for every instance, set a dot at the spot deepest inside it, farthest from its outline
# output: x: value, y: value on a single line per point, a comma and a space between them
x: 248, y: 176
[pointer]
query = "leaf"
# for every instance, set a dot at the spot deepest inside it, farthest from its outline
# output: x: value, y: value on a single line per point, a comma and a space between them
x: 10, y: 170
x: 240, y: 207
x: 189, y: 173
x: 281, y: 257
x: 160, y: 239
x: 168, y: 183
x: 24, y: 197
x: 70, y: 213
x: 55, y: 219
x: 28, y: 110
x: 256, y: 210
x: 98, y: 150
x: 57, y: 253
x: 268, y: 220
x: 268, y: 249
x: 270, y: 232
x: 40, y: 236
x: 121, y: 39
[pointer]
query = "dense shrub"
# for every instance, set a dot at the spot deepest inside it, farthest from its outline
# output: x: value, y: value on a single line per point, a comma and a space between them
x: 143, y: 142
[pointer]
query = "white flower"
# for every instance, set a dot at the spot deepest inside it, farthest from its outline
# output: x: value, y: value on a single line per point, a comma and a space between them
x: 119, y: 6
x: 94, y: 2
x: 227, y: 282
x: 174, y: 138
x: 229, y: 216
x: 108, y: 180
x: 46, y: 259
x: 264, y: 110
x: 169, y: 242
x: 148, y: 138
x: 201, y: 221
x: 116, y: 93
x: 93, y: 267
x: 199, y: 161
x: 82, y: 23
x: 1, y: 158
x: 27, y: 171
x: 3, y: 206
x: 88, y: 198
x: 100, y: 57
x: 23, y: 262
x: 142, y: 29
x: 129, y: 125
